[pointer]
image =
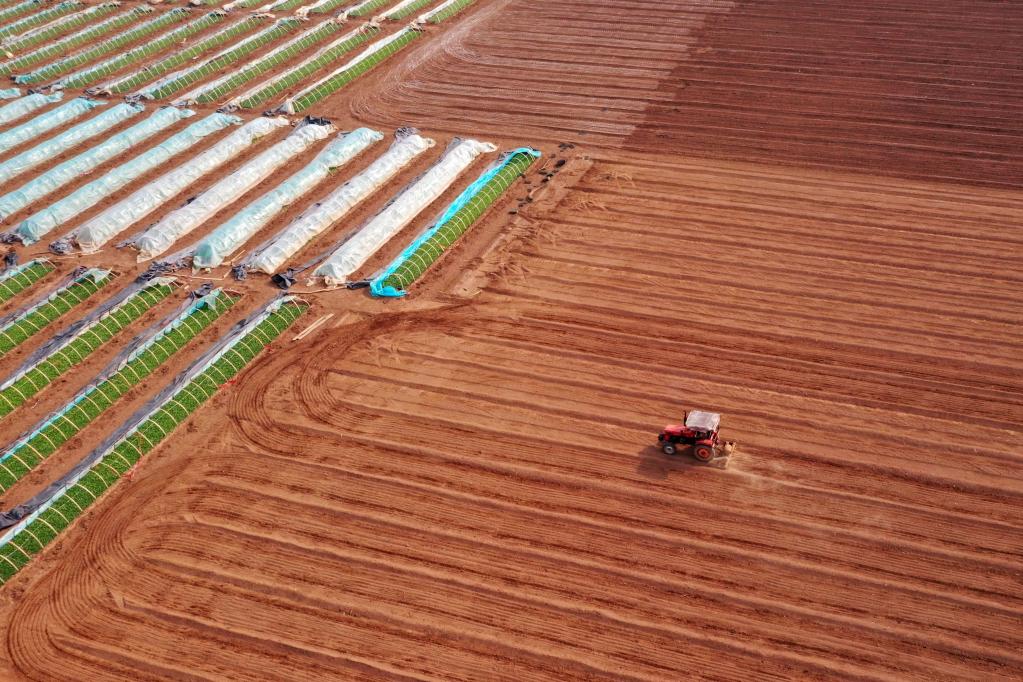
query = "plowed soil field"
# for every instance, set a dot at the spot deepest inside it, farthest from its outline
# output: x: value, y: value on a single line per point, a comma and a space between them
x: 803, y: 215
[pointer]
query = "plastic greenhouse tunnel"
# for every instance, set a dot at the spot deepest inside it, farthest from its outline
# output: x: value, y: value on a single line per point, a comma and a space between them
x: 470, y: 205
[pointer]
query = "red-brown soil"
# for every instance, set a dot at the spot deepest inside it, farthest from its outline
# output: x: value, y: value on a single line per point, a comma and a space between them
x: 801, y: 215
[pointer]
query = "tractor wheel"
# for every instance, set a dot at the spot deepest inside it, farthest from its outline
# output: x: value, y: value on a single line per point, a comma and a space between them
x: 668, y: 448
x: 704, y: 453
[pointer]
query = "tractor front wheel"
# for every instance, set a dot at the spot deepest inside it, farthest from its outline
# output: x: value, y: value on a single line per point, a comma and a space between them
x: 704, y: 453
x: 668, y: 448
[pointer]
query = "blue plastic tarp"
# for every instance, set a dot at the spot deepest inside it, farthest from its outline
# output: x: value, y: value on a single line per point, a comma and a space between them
x: 377, y: 287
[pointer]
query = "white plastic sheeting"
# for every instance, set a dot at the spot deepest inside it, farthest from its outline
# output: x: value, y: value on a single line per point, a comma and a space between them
x: 229, y: 237
x: 394, y: 10
x: 400, y: 212
x: 48, y: 149
x: 47, y: 121
x: 241, y: 3
x: 42, y: 222
x: 177, y: 224
x: 10, y: 93
x: 89, y: 160
x: 270, y: 257
x: 424, y: 18
x: 303, y: 12
x: 26, y: 105
x: 102, y: 228
x: 354, y: 8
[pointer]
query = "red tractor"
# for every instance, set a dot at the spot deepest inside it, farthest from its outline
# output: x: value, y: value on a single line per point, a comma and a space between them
x: 699, y: 429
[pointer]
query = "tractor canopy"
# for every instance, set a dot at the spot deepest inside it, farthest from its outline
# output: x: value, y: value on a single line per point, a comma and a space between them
x: 703, y: 421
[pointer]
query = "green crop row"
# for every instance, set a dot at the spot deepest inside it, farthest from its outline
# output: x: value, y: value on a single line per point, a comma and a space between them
x: 214, y: 66
x: 327, y: 7
x: 246, y: 4
x: 117, y: 42
x: 328, y: 56
x: 33, y: 321
x: 85, y: 342
x: 287, y: 5
x: 25, y: 455
x: 87, y: 35
x: 450, y: 11
x: 367, y: 8
x: 339, y: 80
x: 13, y: 44
x: 410, y: 9
x: 13, y: 284
x: 152, y: 71
x: 19, y: 9
x: 70, y: 504
x: 430, y: 249
x: 268, y: 62
x: 47, y: 14
x: 147, y: 49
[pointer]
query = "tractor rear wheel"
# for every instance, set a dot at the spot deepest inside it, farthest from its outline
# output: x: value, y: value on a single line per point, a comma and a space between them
x: 704, y: 453
x: 668, y: 448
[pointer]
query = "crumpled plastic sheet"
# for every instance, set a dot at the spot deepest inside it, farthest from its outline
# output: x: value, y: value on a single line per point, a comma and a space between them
x: 401, y: 211
x: 33, y: 228
x: 10, y: 93
x: 177, y: 224
x: 269, y: 257
x: 26, y: 105
x: 100, y: 229
x: 35, y: 127
x: 87, y: 161
x: 232, y: 234
x: 47, y: 149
